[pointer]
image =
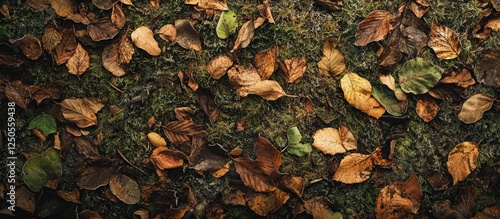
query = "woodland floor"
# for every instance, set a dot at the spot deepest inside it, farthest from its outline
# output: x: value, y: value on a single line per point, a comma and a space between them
x: 151, y: 87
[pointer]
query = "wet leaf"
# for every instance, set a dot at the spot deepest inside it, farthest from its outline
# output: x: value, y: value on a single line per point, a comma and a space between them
x: 31, y: 46
x: 219, y: 66
x: 263, y: 203
x: 474, y: 107
x: 462, y: 160
x: 167, y: 32
x: 420, y: 7
x: 427, y: 109
x: 51, y: 90
x: 332, y: 141
x: 293, y: 68
x: 444, y: 42
x: 267, y: 89
x: 143, y: 38
x: 187, y: 37
x: 104, y: 4
x: 38, y: 170
x: 245, y: 36
x: 156, y: 140
x: 330, y: 4
x: 118, y: 17
x: 399, y: 200
x: 294, y: 146
x: 438, y: 181
x: 333, y: 62
x: 227, y: 24
x: 164, y: 158
x: 44, y: 123
x: 357, y: 90
x: 79, y: 62
x: 158, y: 194
x: 487, y: 70
x: 70, y: 195
x: 417, y: 76
x: 125, y: 188
x: 460, y: 76
x: 81, y: 111
x: 65, y: 50
x: 389, y: 101
x: 88, y: 214
x: 373, y: 28
x: 93, y: 174
x: 354, y: 168
x: 17, y: 93
x: 266, y: 62
x: 103, y: 29
x: 116, y: 56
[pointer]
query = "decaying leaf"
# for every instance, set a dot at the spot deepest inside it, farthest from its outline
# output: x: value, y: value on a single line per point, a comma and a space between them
x: 125, y: 188
x: 156, y: 140
x: 31, y: 46
x: 263, y: 204
x: 116, y: 56
x: 143, y: 38
x: 187, y: 37
x: 240, y: 76
x: 373, y: 28
x: 219, y: 66
x: 70, y: 195
x: 50, y: 90
x: 245, y: 36
x: 206, y: 101
x: 293, y: 68
x: 164, y: 158
x: 389, y: 101
x: 39, y: 170
x: 420, y: 7
x: 167, y: 32
x: 81, y: 111
x: 103, y: 29
x: 65, y: 50
x: 417, y: 76
x: 333, y: 141
x: 51, y: 38
x: 354, y: 168
x: 438, y: 180
x: 208, y: 158
x: 18, y: 93
x: 178, y: 132
x: 333, y: 62
x: 444, y: 42
x: 159, y: 195
x: 318, y: 207
x: 79, y: 62
x: 488, y: 70
x: 399, y: 200
x: 266, y: 62
x: 474, y: 107
x: 460, y: 76
x: 489, y: 212
x: 462, y: 160
x: 427, y: 109
x: 357, y: 90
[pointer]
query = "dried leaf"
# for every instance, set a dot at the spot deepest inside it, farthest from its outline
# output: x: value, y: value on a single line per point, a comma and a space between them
x: 388, y: 80
x: 143, y: 38
x: 25, y: 199
x: 465, y: 201
x: 489, y: 212
x: 208, y: 158
x: 459, y: 76
x: 187, y: 37
x: 156, y: 140
x: 267, y: 156
x: 267, y: 89
x: 18, y: 93
x: 173, y: 213
x: 462, y: 160
x: 444, y: 42
x: 266, y: 62
x: 184, y: 113
x: 420, y: 7
x: 474, y: 107
x: 240, y: 76
x: 332, y: 141
x: 167, y: 32
x: 294, y: 184
x: 357, y: 90
x: 118, y: 17
x: 252, y: 176
x: 399, y: 200
x: 79, y: 62
x: 50, y: 90
x: 427, y: 109
x: 88, y: 214
x: 318, y: 207
x: 373, y: 28
x: 293, y: 68
x: 65, y: 50
x: 330, y: 4
x: 125, y: 188
x: 209, y: 4
x: 219, y: 66
x: 31, y: 46
x: 164, y: 158
x: 417, y: 76
x: 333, y: 62
x: 70, y: 195
x: 116, y: 56
x: 354, y: 168
x: 263, y: 204
x: 178, y: 132
x: 245, y: 36
x: 487, y: 70
x: 78, y: 111
x: 265, y: 11
x: 158, y: 195
x: 103, y: 29
x: 205, y: 99
x: 375, y: 109
x: 447, y: 92
x: 63, y: 8
x: 438, y: 181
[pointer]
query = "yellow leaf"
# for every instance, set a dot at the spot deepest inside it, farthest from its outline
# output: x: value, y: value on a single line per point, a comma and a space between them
x: 462, y: 160
x: 357, y: 91
x: 143, y: 38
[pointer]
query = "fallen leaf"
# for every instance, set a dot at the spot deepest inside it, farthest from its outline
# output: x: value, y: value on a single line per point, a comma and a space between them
x: 18, y: 93
x: 487, y: 70
x: 79, y: 111
x: 187, y: 37
x: 420, y: 7
x: 51, y: 38
x: 219, y: 66
x: 118, y: 17
x: 158, y: 195
x: 38, y: 170
x: 462, y: 160
x: 167, y: 32
x: 399, y: 200
x: 31, y: 46
x: 318, y: 207
x: 265, y: 11
x: 65, y: 50
x: 465, y: 201
x: 293, y: 68
x: 164, y: 158
x: 227, y: 24
x: 447, y: 92
x: 209, y: 4
x: 263, y: 203
x: 373, y: 28
x: 292, y: 183
x: 334, y: 141
x: 88, y: 214
x: 51, y: 90
x: 245, y: 36
x: 490, y: 212
x: 474, y: 107
x: 439, y: 181
x: 156, y: 140
x: 178, y: 132
x: 25, y: 199
x: 268, y: 157
x: 252, y: 176
x: 417, y: 76
x: 375, y: 109
x: 239, y: 76
x: 45, y: 123
x: 125, y: 188
x: 294, y: 146
x: 63, y: 8
x: 267, y: 89
x: 354, y: 168
x: 333, y: 62
x: 104, y: 4
x: 173, y: 213
x: 427, y: 109
x: 79, y: 62
x: 330, y: 4
x: 389, y: 101
x: 103, y: 29
x: 388, y: 80
x: 183, y: 113
x: 70, y: 195
x: 357, y: 90
x: 444, y: 42
x: 143, y: 38
x: 460, y: 76
x: 154, y: 3
x: 207, y: 158
x: 215, y: 210
x: 116, y: 56
x: 266, y: 62
x: 206, y: 100
x: 38, y: 5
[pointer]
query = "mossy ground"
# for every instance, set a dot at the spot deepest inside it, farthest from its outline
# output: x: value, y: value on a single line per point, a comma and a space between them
x: 300, y: 29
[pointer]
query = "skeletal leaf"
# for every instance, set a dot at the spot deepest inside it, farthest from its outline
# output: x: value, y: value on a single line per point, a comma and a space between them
x: 373, y: 28
x: 267, y: 89
x: 167, y: 32
x: 333, y: 141
x: 125, y: 188
x: 417, y: 76
x: 245, y: 36
x: 227, y: 24
x: 333, y: 62
x: 462, y: 160
x: 354, y: 168
x: 266, y: 62
x: 143, y: 38
x: 444, y: 42
x: 488, y: 70
x: 219, y: 66
x: 357, y: 90
x: 399, y: 200
x: 474, y: 107
x: 31, y: 46
x: 79, y: 62
x: 293, y: 68
x: 187, y: 37
x: 427, y: 109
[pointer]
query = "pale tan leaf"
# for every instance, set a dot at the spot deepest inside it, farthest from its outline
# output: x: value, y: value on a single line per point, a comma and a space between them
x: 219, y: 66
x: 240, y: 76
x: 462, y: 160
x: 143, y: 38
x: 444, y: 42
x: 127, y: 2
x: 388, y: 80
x: 186, y: 36
x: 294, y: 69
x: 373, y: 28
x: 266, y: 62
x: 78, y: 111
x: 333, y: 62
x: 354, y: 168
x: 333, y: 141
x: 167, y: 32
x: 474, y: 107
x: 245, y: 36
x: 267, y: 89
x: 79, y: 62
x: 63, y: 8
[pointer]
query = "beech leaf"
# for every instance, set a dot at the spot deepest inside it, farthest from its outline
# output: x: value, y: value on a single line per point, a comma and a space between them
x: 357, y: 90
x: 354, y: 168
x: 427, y: 109
x: 266, y: 62
x: 219, y: 66
x: 245, y: 36
x: 31, y: 46
x: 80, y: 111
x: 125, y: 188
x: 187, y: 37
x: 417, y: 76
x: 227, y: 24
x: 18, y: 93
x: 334, y: 141
x: 65, y: 50
x: 487, y: 69
x: 474, y: 107
x: 51, y: 38
x: 143, y: 38
x: 116, y: 56
x: 164, y: 158
x: 167, y: 32
x: 103, y: 29
x: 267, y: 89
x: 265, y: 203
x: 293, y: 68
x: 399, y: 200
x: 333, y: 62
x: 79, y: 62
x: 388, y: 99
x: 462, y: 160
x: 373, y: 28
x: 38, y: 170
x: 460, y: 76
x: 444, y: 42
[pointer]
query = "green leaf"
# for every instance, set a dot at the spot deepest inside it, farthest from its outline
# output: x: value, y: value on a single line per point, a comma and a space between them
x: 38, y: 170
x: 294, y: 145
x: 417, y: 76
x: 44, y: 123
x: 227, y: 24
x: 387, y: 98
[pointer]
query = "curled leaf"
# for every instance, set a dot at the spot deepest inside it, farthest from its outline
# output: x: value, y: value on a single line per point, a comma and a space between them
x: 245, y: 36
x: 143, y: 38
x: 116, y: 56
x: 399, y: 200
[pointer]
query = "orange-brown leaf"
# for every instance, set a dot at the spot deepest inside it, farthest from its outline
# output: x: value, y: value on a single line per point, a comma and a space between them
x: 427, y: 109
x: 263, y: 203
x: 267, y: 89
x: 399, y: 200
x: 420, y: 7
x: 459, y: 76
x: 252, y: 175
x: 104, y: 4
x: 294, y: 69
x: 268, y: 157
x: 219, y: 66
x: 118, y: 17
x: 444, y: 42
x: 79, y: 62
x: 164, y: 158
x: 354, y: 168
x: 88, y: 214
x: 266, y: 62
x: 373, y: 28
x: 65, y: 50
x: 51, y: 38
x: 462, y: 160
x: 333, y: 62
x: 79, y: 111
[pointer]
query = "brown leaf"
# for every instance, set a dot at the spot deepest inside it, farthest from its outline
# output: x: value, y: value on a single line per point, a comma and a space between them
x: 104, y: 4
x: 460, y: 76
x: 427, y: 109
x: 219, y: 66
x: 266, y: 62
x: 354, y: 168
x: 240, y: 76
x: 293, y: 68
x: 51, y: 38
x: 373, y: 28
x: 474, y: 107
x: 159, y: 195
x: 333, y: 62
x: 79, y: 62
x: 215, y: 210
x: 178, y: 132
x: 263, y: 203
x: 103, y: 29
x: 116, y: 56
x: 79, y: 111
x: 88, y: 214
x: 164, y: 158
x: 63, y: 8
x: 86, y: 147
x: 205, y: 99
x: 93, y: 174
x: 209, y: 4
x: 143, y: 38
x: 167, y: 32
x: 154, y: 3
x: 330, y: 4
x: 125, y: 188
x: 446, y: 92
x: 118, y: 17
x: 51, y: 90
x: 420, y: 7
x: 187, y: 37
x: 375, y: 109
x: 207, y: 158
x: 490, y: 212
x: 399, y: 200
x: 267, y: 89
x: 294, y: 184
x: 318, y: 207
x: 438, y: 180
x: 65, y: 50
x: 156, y: 140
x: 487, y: 69
x: 70, y: 195
x: 462, y: 160
x: 183, y: 113
x: 151, y: 121
x: 18, y: 93
x: 444, y: 42
x: 252, y: 175
x: 265, y: 11
x: 25, y: 199
x: 38, y: 5
x: 332, y: 141
x: 245, y: 36
x: 268, y: 157
x: 31, y: 46
x: 173, y: 213
x: 465, y: 201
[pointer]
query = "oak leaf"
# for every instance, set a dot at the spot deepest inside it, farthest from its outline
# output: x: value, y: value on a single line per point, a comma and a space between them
x: 79, y: 62
x: 31, y: 46
x: 187, y: 37
x: 462, y: 160
x: 373, y: 28
x: 79, y: 111
x: 116, y: 56
x: 266, y: 62
x: 143, y: 38
x: 444, y: 42
x: 427, y: 109
x: 333, y: 141
x: 265, y: 203
x: 245, y: 36
x: 219, y: 66
x: 167, y: 32
x: 354, y: 168
x: 399, y: 200
x: 333, y: 62
x: 125, y: 188
x: 164, y: 158
x: 293, y: 68
x: 474, y: 107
